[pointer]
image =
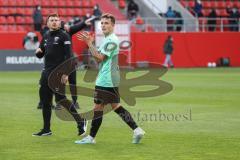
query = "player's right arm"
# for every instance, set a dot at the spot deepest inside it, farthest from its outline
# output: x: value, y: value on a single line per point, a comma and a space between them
x: 85, y: 36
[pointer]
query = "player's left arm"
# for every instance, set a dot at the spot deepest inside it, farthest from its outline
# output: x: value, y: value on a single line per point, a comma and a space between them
x: 98, y: 56
x: 77, y: 27
x: 68, y: 54
x: 67, y: 45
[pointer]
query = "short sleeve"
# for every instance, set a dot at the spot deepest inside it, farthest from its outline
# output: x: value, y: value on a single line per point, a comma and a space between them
x: 109, y: 47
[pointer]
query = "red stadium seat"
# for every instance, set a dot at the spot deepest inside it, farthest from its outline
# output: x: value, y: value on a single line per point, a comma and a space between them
x: 37, y: 2
x: 69, y: 3
x: 223, y: 13
x: 3, y: 3
x: 45, y: 3
x: 29, y: 3
x: 91, y: 3
x: 206, y: 12
x: 20, y: 20
x: 10, y: 20
x: 139, y: 20
x: 12, y: 10
x: 191, y: 4
x: 20, y: 28
x: 70, y: 12
x: 85, y: 3
x: 221, y: 4
x: 77, y: 3
x: 229, y: 4
x: 28, y: 11
x: 3, y: 28
x: 121, y: 4
x: 61, y: 11
x: 28, y: 20
x: 236, y: 3
x: 61, y: 3
x: 88, y: 10
x: 3, y: 11
x: 29, y: 28
x: 214, y: 4
x: 53, y: 3
x: 53, y: 10
x: 3, y: 20
x: 206, y: 4
x: 12, y: 28
x: 45, y: 11
x: 79, y: 12
x: 12, y: 3
x: 20, y: 11
x: 20, y: 3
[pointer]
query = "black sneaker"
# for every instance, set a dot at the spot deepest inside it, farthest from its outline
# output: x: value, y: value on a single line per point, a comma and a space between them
x: 81, y: 131
x: 43, y: 133
x: 40, y: 105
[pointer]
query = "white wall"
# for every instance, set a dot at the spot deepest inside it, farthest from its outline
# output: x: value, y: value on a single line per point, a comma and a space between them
x: 158, y: 6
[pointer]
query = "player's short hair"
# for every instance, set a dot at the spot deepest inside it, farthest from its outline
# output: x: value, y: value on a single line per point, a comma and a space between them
x: 52, y: 15
x: 109, y: 16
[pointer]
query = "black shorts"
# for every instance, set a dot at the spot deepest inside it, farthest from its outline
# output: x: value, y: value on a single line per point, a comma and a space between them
x: 106, y: 95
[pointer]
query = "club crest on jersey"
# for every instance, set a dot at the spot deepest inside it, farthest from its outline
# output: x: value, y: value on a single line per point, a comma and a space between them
x: 110, y: 46
x: 56, y: 40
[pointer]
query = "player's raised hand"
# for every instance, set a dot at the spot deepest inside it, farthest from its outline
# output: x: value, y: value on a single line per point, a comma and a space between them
x: 85, y: 36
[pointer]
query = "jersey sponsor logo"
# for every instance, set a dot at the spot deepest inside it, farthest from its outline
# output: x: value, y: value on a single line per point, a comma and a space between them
x: 56, y: 40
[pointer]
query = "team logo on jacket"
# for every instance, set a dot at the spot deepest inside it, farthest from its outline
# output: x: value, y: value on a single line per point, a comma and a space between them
x: 56, y: 40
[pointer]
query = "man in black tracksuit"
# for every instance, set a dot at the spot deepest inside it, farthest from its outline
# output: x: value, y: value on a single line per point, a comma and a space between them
x: 56, y: 48
x: 71, y: 30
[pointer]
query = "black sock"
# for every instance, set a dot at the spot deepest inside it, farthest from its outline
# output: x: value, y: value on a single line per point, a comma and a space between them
x: 96, y: 123
x: 46, y: 112
x: 74, y: 99
x: 71, y: 109
x: 126, y: 117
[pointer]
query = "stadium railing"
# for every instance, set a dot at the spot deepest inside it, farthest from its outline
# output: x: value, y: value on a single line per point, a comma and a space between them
x: 182, y: 24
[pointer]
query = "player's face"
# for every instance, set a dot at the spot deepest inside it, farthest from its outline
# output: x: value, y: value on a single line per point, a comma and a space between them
x: 107, y: 26
x: 53, y: 23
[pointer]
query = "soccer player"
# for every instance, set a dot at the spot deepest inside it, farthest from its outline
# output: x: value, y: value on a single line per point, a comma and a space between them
x: 56, y: 48
x: 108, y: 79
x: 71, y: 30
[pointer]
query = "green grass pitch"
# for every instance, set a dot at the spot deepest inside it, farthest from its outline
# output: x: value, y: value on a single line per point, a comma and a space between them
x: 206, y: 101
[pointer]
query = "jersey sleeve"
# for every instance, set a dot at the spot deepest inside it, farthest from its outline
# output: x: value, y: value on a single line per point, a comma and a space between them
x: 67, y: 45
x: 77, y: 27
x: 41, y: 46
x: 108, y: 48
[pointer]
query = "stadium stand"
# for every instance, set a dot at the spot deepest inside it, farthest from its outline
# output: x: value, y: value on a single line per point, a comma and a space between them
x: 219, y: 5
x: 16, y: 15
